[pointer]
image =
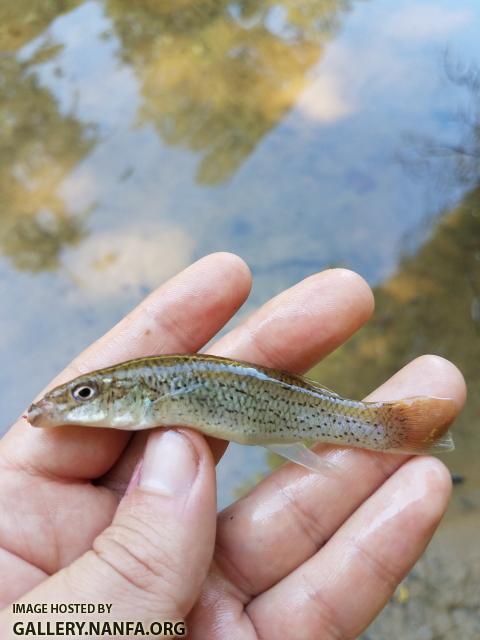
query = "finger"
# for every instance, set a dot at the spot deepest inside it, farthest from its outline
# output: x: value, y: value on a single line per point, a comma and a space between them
x: 254, y: 538
x: 302, y: 324
x: 292, y: 331
x: 151, y: 561
x: 427, y: 375
x: 180, y: 316
x: 340, y: 590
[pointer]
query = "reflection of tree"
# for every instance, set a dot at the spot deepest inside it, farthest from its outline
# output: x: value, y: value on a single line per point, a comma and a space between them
x: 39, y: 146
x: 216, y: 76
x: 431, y: 305
x: 23, y: 20
x: 457, y: 161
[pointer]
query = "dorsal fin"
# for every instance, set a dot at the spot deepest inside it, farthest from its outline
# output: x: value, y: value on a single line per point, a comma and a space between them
x: 321, y: 387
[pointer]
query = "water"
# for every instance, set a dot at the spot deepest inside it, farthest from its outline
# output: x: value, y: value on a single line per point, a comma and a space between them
x: 137, y: 136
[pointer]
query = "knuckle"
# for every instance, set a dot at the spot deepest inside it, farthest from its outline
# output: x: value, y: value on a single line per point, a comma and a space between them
x: 308, y: 521
x: 327, y: 616
x: 380, y: 570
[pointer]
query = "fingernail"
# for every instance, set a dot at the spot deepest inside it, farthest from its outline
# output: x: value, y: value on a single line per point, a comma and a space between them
x: 170, y: 464
x: 134, y: 480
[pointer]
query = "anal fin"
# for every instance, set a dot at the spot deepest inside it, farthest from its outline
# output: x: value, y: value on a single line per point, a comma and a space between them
x: 299, y: 453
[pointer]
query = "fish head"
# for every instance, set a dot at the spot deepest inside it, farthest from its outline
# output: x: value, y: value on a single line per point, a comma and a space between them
x: 93, y: 401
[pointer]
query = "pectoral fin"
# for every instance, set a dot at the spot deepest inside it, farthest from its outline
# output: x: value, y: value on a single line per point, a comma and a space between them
x: 178, y: 392
x: 299, y: 453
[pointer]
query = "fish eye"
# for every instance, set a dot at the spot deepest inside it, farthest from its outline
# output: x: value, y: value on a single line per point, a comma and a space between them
x: 83, y: 392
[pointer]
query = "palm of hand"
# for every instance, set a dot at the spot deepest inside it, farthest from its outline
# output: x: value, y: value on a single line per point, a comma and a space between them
x: 302, y: 556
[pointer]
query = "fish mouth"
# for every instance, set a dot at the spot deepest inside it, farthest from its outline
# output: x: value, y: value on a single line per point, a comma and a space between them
x: 39, y: 414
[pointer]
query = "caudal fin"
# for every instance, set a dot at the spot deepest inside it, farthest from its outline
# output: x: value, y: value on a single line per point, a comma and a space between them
x: 421, y: 424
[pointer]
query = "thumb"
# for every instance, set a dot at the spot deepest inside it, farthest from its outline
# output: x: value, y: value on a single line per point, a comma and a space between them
x: 151, y: 561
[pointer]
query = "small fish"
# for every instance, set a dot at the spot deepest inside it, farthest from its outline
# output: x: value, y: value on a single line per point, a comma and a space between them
x: 244, y: 403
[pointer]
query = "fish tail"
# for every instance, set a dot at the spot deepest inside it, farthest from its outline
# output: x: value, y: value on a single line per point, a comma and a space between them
x: 420, y: 424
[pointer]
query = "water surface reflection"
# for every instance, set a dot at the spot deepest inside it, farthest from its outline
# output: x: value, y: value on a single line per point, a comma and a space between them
x: 216, y: 76
x: 39, y: 147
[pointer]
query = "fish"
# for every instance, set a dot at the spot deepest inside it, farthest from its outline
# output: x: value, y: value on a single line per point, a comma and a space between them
x: 244, y: 403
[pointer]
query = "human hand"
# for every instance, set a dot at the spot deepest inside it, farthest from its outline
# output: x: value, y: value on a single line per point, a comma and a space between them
x: 303, y: 556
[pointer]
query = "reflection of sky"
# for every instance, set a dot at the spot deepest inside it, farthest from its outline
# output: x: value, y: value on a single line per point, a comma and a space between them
x: 92, y: 82
x: 324, y: 187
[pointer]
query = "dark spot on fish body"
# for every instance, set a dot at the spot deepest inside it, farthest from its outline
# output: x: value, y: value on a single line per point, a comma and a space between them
x: 242, y: 391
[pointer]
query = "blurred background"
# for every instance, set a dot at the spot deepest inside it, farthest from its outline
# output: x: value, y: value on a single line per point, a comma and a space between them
x: 137, y: 136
